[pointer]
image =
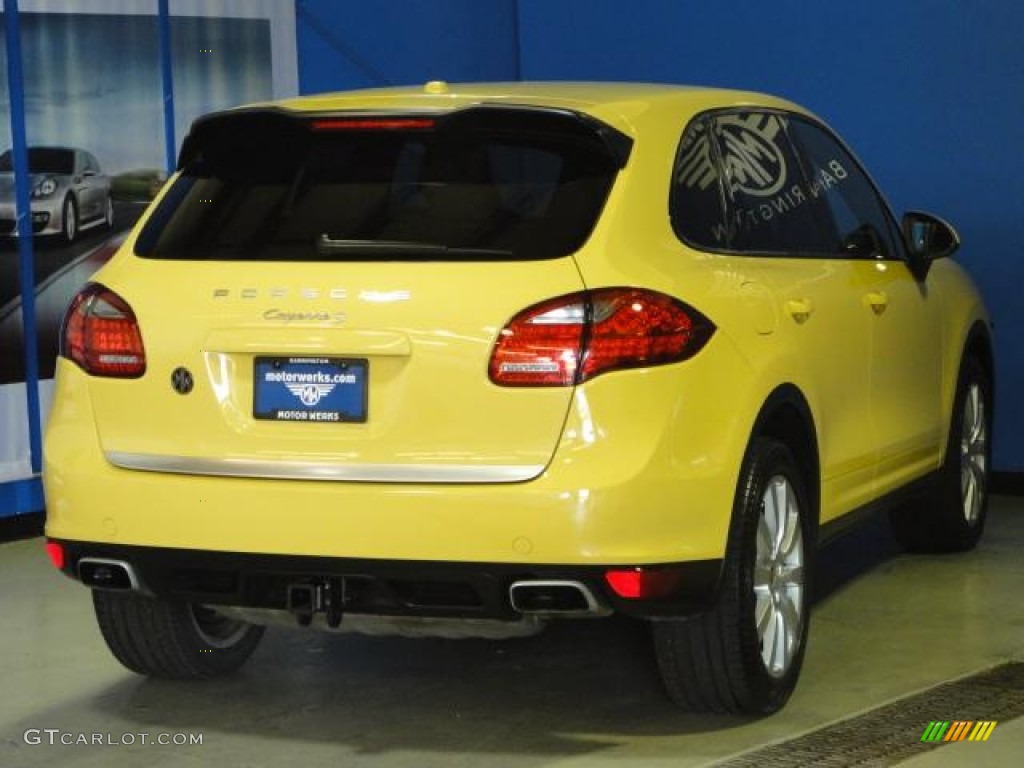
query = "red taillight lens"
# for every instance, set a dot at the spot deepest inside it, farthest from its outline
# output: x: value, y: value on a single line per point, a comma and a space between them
x: 641, y: 584
x: 574, y: 338
x: 101, y: 335
x: 56, y: 553
x: 542, y: 345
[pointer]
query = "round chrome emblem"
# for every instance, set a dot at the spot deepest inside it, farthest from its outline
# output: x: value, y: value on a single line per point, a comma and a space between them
x: 182, y: 381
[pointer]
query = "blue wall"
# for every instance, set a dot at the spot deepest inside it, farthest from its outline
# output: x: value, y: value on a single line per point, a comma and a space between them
x: 359, y: 45
x: 928, y: 93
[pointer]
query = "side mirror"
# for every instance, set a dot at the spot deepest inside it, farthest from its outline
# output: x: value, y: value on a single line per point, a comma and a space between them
x: 928, y: 237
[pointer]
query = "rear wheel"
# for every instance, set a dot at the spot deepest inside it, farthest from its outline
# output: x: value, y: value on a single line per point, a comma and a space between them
x: 744, y: 656
x: 952, y: 518
x: 172, y: 639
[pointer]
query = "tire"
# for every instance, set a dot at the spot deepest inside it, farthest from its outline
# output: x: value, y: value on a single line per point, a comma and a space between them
x: 952, y: 517
x: 172, y: 640
x: 69, y: 220
x: 727, y: 660
x: 108, y: 214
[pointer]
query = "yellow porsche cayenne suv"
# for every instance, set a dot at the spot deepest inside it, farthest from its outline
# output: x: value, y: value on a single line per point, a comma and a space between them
x: 461, y: 360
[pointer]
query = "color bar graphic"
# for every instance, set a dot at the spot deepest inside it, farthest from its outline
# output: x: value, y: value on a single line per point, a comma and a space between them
x: 935, y: 731
x: 982, y: 730
x: 958, y: 730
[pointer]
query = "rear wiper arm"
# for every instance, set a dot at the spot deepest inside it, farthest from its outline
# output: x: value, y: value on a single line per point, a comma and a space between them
x: 406, y: 248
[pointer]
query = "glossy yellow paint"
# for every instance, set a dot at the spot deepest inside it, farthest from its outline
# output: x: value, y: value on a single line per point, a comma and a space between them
x: 637, y: 466
x: 429, y: 397
x: 625, y: 485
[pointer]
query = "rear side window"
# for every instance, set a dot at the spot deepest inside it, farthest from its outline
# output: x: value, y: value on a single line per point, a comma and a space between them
x: 739, y: 186
x: 410, y: 188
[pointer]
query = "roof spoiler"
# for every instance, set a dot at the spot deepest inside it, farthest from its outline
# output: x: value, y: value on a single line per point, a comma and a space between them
x: 232, y: 126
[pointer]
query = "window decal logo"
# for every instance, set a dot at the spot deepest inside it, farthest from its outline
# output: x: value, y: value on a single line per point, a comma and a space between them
x: 759, y: 186
x: 696, y: 166
x: 753, y: 162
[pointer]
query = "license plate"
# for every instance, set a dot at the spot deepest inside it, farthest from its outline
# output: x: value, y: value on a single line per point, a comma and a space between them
x: 327, y: 389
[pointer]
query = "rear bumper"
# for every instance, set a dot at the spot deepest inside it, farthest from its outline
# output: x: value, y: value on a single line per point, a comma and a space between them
x: 625, y: 486
x: 462, y: 590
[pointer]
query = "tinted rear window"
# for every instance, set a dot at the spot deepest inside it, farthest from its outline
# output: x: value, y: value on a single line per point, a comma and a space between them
x: 483, y: 188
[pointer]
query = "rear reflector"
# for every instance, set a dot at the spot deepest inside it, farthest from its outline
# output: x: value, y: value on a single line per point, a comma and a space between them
x: 101, y: 335
x: 573, y: 338
x: 640, y: 584
x: 56, y: 553
x: 374, y: 124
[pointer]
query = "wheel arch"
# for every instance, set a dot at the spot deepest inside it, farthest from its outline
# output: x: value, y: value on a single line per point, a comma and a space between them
x: 786, y: 416
x: 978, y: 343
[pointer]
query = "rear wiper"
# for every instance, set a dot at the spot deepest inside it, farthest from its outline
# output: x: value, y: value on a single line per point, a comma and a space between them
x: 399, y: 248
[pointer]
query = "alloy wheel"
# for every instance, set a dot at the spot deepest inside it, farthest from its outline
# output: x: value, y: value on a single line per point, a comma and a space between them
x: 973, y: 453
x: 779, y: 577
x: 70, y: 221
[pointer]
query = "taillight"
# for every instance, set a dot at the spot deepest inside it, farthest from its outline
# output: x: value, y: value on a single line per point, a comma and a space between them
x: 645, y: 584
x: 568, y: 340
x: 101, y: 335
x: 56, y: 553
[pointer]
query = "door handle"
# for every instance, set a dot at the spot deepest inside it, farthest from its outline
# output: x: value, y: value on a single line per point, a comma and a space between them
x: 799, y: 309
x: 877, y: 300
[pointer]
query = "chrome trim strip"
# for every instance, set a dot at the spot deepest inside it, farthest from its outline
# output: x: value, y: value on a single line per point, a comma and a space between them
x: 312, y: 470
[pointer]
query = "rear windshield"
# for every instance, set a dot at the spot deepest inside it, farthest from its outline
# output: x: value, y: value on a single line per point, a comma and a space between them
x: 267, y: 187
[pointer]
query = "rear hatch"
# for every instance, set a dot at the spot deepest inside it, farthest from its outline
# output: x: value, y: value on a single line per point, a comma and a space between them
x: 318, y: 295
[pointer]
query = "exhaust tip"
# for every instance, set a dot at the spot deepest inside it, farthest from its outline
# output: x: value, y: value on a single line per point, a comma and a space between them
x: 100, y: 573
x: 555, y: 598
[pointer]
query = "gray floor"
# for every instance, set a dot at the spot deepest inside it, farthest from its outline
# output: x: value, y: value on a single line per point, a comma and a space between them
x: 581, y: 694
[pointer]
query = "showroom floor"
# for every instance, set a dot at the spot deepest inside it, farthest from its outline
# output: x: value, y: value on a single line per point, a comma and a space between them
x: 887, y: 629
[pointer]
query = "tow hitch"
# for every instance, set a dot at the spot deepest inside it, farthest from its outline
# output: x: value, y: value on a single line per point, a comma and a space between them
x: 324, y: 596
